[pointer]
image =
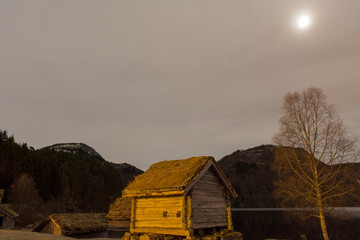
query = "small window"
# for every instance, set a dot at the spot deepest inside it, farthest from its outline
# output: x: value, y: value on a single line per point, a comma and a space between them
x: 178, y: 214
x: 165, y: 213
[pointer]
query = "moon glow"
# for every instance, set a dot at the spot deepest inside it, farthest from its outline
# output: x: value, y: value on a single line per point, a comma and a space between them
x: 303, y: 21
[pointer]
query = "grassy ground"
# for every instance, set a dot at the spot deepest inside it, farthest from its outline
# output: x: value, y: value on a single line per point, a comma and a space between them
x: 26, y: 235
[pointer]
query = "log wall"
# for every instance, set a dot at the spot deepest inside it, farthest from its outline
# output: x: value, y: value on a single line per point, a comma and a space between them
x: 6, y: 222
x: 159, y: 212
x: 209, y: 202
x: 118, y: 225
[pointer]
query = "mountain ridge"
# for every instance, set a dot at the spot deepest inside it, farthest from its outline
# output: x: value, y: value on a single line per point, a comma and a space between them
x: 75, y: 148
x: 127, y: 171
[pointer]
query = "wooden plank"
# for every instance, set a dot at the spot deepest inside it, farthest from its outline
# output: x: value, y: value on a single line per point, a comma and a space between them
x: 157, y: 193
x: 156, y: 218
x: 156, y: 214
x: 158, y: 224
x: 164, y: 222
x: 207, y: 211
x: 132, y: 217
x: 145, y: 204
x: 209, y: 193
x: 189, y: 213
x: 119, y: 225
x: 208, y: 225
x: 209, y: 189
x: 157, y: 210
x: 209, y: 184
x: 159, y: 199
x: 183, y: 213
x: 170, y: 203
x: 169, y: 200
x: 208, y: 205
x: 228, y: 213
x: 166, y: 231
x: 211, y: 204
x: 158, y: 205
x: 207, y: 198
x: 210, y: 176
x: 212, y: 219
x: 200, y: 198
x: 210, y: 180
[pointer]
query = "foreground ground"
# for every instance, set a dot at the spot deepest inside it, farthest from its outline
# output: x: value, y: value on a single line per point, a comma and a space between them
x: 26, y: 235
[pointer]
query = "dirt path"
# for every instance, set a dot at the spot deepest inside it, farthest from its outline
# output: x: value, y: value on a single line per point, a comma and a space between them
x: 26, y: 235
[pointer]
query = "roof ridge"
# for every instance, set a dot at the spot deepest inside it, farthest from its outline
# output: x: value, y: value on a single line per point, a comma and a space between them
x: 168, y: 177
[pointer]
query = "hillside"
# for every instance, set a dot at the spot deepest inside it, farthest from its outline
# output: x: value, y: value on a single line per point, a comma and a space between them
x: 127, y: 172
x: 69, y: 177
x: 252, y: 175
x: 79, y: 149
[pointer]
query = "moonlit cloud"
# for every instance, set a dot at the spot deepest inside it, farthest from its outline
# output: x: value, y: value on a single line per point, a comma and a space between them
x: 144, y: 81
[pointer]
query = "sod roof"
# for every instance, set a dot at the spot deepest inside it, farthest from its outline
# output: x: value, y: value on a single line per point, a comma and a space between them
x: 75, y: 223
x: 167, y: 176
x: 120, y: 210
x: 6, y: 208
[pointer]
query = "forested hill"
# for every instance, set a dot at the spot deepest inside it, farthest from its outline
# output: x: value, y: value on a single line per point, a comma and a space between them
x: 69, y: 178
x: 249, y: 171
x: 127, y: 172
x: 252, y: 174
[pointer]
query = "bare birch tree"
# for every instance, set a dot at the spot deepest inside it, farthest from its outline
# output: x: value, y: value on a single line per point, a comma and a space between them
x: 314, y: 145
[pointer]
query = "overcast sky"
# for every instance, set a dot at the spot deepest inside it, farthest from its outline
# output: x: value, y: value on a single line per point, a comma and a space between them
x: 145, y: 81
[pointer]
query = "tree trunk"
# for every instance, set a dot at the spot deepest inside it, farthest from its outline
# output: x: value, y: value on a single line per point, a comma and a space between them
x: 320, y: 206
x: 323, y: 224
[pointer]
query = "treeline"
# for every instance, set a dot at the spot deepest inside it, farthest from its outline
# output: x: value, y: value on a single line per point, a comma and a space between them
x: 65, y: 182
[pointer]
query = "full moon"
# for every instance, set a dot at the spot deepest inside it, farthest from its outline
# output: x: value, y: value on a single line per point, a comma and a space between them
x: 303, y: 21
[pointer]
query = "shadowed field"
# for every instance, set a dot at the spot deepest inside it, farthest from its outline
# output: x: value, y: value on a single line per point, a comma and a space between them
x: 26, y: 235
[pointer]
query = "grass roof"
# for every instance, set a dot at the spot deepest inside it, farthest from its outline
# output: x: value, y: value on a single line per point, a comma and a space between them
x: 120, y: 210
x: 75, y: 223
x: 168, y: 175
x: 7, y: 209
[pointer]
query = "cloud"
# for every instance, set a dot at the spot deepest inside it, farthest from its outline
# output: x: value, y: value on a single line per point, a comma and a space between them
x: 143, y: 81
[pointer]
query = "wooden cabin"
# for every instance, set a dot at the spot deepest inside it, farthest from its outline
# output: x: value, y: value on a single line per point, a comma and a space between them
x: 7, y: 214
x: 180, y: 197
x: 119, y: 215
x: 73, y: 223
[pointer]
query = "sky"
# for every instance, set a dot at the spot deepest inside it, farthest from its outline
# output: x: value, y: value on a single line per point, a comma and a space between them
x: 152, y: 80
